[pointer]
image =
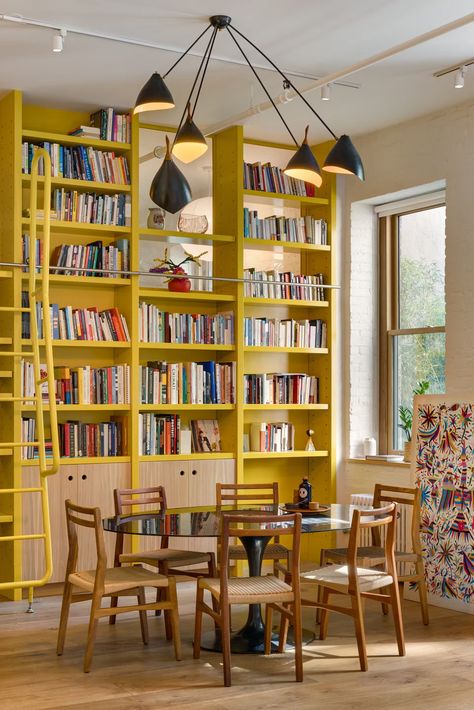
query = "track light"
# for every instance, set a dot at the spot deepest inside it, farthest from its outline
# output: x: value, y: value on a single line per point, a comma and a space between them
x: 58, y: 41
x: 459, y: 78
x: 326, y: 93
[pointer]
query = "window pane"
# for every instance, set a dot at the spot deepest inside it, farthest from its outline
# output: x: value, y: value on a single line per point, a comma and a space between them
x: 415, y: 357
x: 421, y: 245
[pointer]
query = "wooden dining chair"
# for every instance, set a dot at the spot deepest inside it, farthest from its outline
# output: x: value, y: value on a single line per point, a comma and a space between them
x: 409, y: 561
x: 114, y: 582
x: 275, y: 593
x: 166, y: 559
x: 360, y: 583
x: 253, y: 494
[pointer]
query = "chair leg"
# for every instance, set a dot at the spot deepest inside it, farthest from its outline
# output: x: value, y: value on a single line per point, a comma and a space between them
x: 322, y: 563
x: 360, y: 631
x: 113, y: 605
x: 422, y: 592
x: 198, y: 622
x: 298, y: 638
x: 397, y: 618
x: 268, y: 630
x: 143, y: 620
x: 284, y: 626
x: 65, y: 606
x: 225, y: 635
x: 93, y: 621
x: 174, y: 617
x: 323, y: 628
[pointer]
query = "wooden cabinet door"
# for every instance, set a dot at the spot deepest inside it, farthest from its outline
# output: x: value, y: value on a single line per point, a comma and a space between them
x: 62, y: 485
x: 95, y: 486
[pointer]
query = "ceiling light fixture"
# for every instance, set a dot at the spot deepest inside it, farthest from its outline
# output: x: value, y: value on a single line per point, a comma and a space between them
x: 459, y: 78
x: 189, y: 143
x: 58, y: 41
x: 326, y: 92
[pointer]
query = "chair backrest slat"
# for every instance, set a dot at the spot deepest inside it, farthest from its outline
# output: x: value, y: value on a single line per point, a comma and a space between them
x: 378, y: 519
x: 128, y: 497
x: 256, y: 492
x: 80, y: 516
x: 408, y: 501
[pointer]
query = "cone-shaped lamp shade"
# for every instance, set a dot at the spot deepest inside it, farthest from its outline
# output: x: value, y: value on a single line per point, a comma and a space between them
x: 189, y: 143
x: 170, y: 189
x: 303, y: 165
x: 154, y: 96
x: 344, y: 159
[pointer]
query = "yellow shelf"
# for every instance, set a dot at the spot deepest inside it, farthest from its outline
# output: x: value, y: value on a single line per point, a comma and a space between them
x: 6, y: 341
x: 6, y: 452
x: 284, y: 454
x: 188, y: 457
x: 302, y: 407
x: 250, y: 242
x: 6, y: 274
x: 82, y: 459
x: 81, y: 407
x: 64, y: 139
x: 82, y: 280
x: 251, y: 301
x: 83, y: 343
x: 163, y: 234
x: 266, y: 349
x: 165, y: 294
x: 290, y: 200
x: 186, y: 346
x: 6, y: 374
x: 184, y: 407
x: 86, y: 185
x: 6, y: 518
x: 80, y: 227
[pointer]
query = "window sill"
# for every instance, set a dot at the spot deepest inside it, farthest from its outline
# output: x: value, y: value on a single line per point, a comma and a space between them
x: 375, y: 462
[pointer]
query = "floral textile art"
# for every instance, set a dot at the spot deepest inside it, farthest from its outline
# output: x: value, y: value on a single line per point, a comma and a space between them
x: 444, y: 441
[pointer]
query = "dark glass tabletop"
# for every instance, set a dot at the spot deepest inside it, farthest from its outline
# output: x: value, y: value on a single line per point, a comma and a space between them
x: 206, y: 521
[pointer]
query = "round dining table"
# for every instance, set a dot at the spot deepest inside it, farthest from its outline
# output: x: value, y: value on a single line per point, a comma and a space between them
x: 206, y: 522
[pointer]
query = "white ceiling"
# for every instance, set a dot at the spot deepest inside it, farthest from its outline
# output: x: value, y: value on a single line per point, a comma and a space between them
x: 312, y: 37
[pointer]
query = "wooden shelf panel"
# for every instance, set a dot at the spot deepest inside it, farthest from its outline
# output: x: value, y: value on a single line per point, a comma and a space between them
x: 284, y: 454
x: 272, y: 243
x: 184, y: 407
x: 163, y: 234
x: 188, y: 457
x: 6, y: 341
x: 82, y: 459
x: 300, y: 407
x: 85, y: 185
x: 82, y: 280
x: 64, y: 139
x: 260, y: 196
x: 81, y: 407
x: 253, y: 301
x: 185, y: 346
x: 80, y: 227
x: 164, y: 294
x: 6, y: 274
x: 266, y: 349
x: 6, y: 518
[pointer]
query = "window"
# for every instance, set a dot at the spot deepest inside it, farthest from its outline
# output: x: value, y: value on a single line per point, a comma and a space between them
x: 412, y: 309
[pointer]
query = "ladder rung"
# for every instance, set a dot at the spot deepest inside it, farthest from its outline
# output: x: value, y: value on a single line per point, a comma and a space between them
x: 36, y: 292
x: 12, y: 538
x: 13, y: 444
x: 6, y: 452
x: 14, y: 309
x: 17, y: 399
x: 20, y: 490
x: 6, y: 374
x: 10, y: 353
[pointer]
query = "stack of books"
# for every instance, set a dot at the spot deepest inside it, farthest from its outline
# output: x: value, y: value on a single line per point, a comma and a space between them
x: 91, y: 208
x: 78, y: 163
x: 78, y: 440
x: 275, y: 436
x: 188, y: 383
x: 301, y: 230
x: 280, y: 388
x: 86, y: 131
x: 285, y: 333
x: 269, y: 178
x: 158, y: 434
x: 113, y: 126
x: 156, y: 326
x: 114, y: 257
x: 285, y: 284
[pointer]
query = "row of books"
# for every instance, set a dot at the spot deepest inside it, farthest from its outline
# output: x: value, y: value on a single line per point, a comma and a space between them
x: 91, y: 208
x: 80, y: 385
x: 110, y: 258
x: 158, y: 434
x: 267, y: 177
x: 188, y: 383
x: 113, y: 126
x: 70, y: 323
x: 156, y: 326
x: 285, y: 333
x: 78, y: 163
x: 78, y: 439
x: 274, y: 436
x: 301, y: 230
x: 281, y: 388
x: 285, y: 284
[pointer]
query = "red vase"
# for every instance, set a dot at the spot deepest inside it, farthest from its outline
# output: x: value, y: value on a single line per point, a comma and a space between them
x: 179, y: 285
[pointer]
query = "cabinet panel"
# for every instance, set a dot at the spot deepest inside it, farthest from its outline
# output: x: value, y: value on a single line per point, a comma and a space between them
x: 202, y: 479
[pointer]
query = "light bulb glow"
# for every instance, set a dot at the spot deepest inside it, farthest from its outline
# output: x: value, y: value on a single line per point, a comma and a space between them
x: 306, y: 175
x: 325, y: 93
x: 189, y: 151
x: 459, y: 78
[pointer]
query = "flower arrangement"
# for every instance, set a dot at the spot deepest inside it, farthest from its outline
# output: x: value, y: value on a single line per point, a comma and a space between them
x: 176, y: 280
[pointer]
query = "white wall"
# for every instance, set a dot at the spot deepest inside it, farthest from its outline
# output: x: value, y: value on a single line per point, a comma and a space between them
x: 427, y: 151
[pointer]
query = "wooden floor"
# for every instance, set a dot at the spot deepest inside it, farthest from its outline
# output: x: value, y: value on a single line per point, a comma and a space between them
x: 436, y: 673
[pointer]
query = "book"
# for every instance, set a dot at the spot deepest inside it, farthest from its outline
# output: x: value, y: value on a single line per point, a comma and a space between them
x: 91, y: 131
x: 205, y: 435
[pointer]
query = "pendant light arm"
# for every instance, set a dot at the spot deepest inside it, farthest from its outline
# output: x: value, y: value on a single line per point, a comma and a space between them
x: 262, y: 85
x: 186, y: 52
x: 188, y: 102
x: 286, y: 79
x: 213, y: 39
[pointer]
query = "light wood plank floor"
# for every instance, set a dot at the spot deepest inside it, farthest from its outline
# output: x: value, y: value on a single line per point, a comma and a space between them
x: 436, y: 673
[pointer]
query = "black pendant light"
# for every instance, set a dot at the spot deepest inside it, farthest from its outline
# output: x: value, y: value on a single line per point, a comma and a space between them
x: 189, y: 143
x: 303, y: 165
x: 170, y: 189
x: 154, y: 96
x: 344, y: 159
